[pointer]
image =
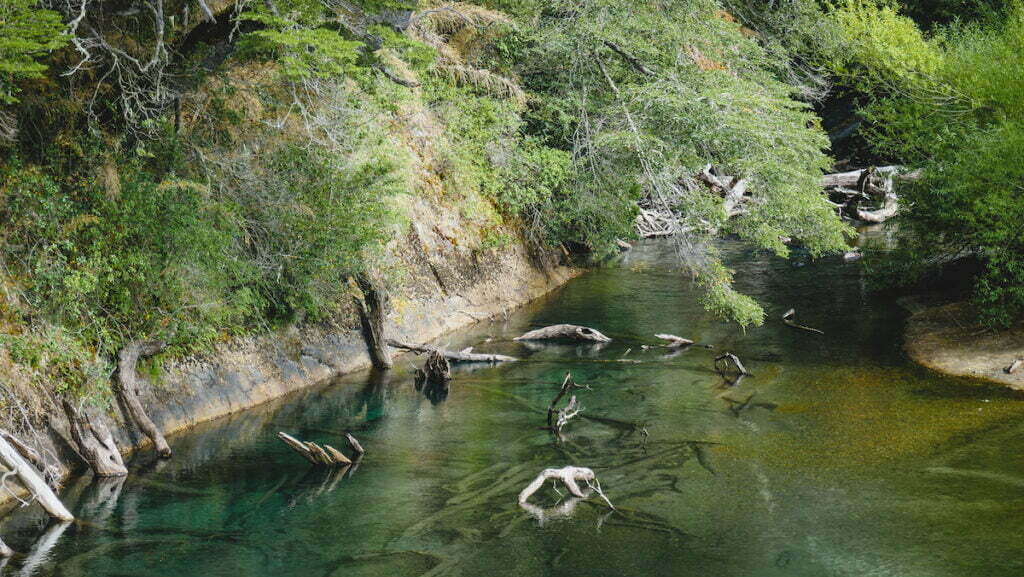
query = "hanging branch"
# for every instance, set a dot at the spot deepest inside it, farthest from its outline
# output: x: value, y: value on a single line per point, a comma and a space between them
x: 632, y: 60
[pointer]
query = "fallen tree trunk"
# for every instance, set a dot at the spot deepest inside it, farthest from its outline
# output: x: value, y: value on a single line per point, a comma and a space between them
x: 127, y: 387
x: 1014, y: 366
x: 573, y: 332
x: 852, y: 178
x: 674, y: 342
x: 373, y: 315
x: 51, y: 473
x: 325, y: 455
x: 95, y: 443
x: 789, y: 317
x: 12, y: 460
x: 465, y: 355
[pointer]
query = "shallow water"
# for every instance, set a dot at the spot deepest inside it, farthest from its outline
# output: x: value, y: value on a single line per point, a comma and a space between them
x: 848, y: 461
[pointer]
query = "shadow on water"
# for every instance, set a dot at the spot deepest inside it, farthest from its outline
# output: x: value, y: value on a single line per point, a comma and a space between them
x: 836, y: 457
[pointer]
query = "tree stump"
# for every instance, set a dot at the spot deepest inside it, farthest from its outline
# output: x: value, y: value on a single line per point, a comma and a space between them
x: 95, y: 443
x: 373, y: 315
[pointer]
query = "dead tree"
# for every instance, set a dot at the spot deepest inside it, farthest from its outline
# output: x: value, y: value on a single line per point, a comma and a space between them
x: 15, y: 464
x: 465, y: 355
x: 95, y: 443
x: 790, y: 319
x: 318, y: 455
x: 128, y: 385
x: 373, y: 314
x: 722, y: 363
x: 571, y: 332
x: 570, y: 477
x: 558, y: 418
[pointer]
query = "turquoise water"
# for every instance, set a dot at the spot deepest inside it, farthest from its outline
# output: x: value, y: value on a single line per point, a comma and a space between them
x: 848, y: 461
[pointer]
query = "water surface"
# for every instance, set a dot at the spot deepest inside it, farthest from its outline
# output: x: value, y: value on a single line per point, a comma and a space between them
x: 849, y: 460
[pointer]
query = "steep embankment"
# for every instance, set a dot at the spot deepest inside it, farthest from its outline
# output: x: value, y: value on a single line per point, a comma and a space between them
x: 447, y: 283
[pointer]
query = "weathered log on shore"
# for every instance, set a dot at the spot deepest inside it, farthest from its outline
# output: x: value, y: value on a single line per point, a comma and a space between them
x: 789, y: 320
x: 30, y: 478
x: 127, y: 387
x: 572, y: 332
x: 465, y: 355
x: 95, y: 443
x: 325, y: 455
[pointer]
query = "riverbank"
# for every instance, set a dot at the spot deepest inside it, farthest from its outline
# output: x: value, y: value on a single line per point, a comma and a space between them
x: 945, y: 338
x: 448, y: 281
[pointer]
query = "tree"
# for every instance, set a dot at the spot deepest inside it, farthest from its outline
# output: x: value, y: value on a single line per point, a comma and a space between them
x: 27, y: 34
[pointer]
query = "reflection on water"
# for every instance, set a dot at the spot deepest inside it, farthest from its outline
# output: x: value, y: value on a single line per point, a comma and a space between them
x: 836, y: 457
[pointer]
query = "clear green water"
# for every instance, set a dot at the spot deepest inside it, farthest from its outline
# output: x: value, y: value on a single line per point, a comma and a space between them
x: 868, y: 465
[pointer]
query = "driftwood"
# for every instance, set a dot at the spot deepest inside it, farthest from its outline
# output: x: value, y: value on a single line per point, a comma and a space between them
x: 372, y: 309
x: 574, y: 332
x: 722, y: 363
x: 357, y: 448
x: 5, y: 551
x: 465, y: 355
x: 623, y: 245
x: 51, y: 473
x: 570, y: 477
x: 1014, y: 366
x: 849, y: 189
x: 15, y: 464
x: 789, y: 319
x: 318, y: 455
x: 558, y: 418
x: 95, y: 443
x: 674, y: 342
x: 127, y: 388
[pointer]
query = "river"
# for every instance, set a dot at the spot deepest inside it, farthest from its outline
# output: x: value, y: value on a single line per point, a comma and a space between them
x: 848, y: 461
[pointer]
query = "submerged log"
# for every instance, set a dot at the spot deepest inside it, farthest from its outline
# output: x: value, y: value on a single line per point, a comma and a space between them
x: 127, y: 387
x: 722, y: 363
x: 789, y: 319
x: 95, y: 443
x: 574, y: 332
x: 465, y: 355
x: 373, y: 315
x: 674, y: 342
x: 570, y: 477
x: 325, y: 455
x: 12, y: 460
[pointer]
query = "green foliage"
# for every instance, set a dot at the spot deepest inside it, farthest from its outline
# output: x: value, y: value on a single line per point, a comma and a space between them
x: 27, y: 33
x: 954, y: 109
x: 297, y: 35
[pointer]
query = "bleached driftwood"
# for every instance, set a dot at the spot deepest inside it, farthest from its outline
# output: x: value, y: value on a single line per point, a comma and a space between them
x: 570, y: 477
x: 789, y: 319
x: 465, y: 355
x: 573, y: 332
x: 674, y: 342
x: 357, y: 448
x: 722, y: 363
x: 558, y: 418
x: 325, y: 455
x: 15, y: 464
x: 127, y: 387
x: 1014, y: 366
